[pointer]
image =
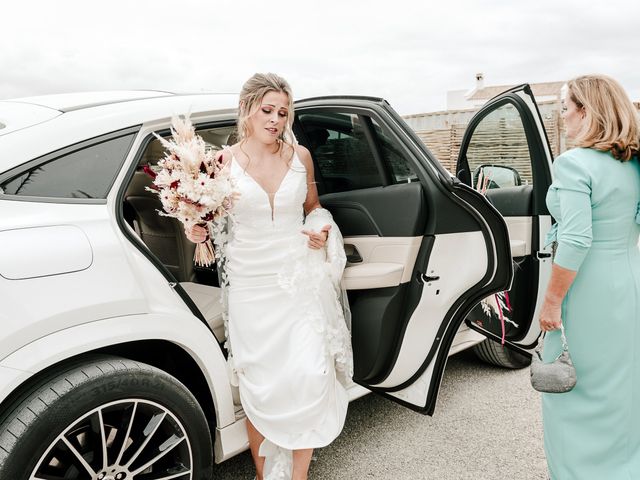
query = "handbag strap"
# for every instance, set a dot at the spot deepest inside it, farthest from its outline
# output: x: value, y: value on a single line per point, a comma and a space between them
x: 563, y: 338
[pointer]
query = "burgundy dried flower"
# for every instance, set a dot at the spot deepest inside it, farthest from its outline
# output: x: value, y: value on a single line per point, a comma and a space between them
x: 147, y: 169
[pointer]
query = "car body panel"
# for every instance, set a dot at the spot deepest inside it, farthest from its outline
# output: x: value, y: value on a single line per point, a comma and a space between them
x: 71, y: 342
x: 17, y: 115
x: 24, y: 256
x: 65, y: 102
x: 36, y: 307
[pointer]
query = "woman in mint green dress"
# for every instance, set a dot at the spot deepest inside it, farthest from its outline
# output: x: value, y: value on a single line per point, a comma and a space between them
x: 593, y: 431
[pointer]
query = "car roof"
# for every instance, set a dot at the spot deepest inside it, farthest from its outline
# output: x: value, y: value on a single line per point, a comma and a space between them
x: 35, y: 126
x: 65, y: 102
x: 16, y: 115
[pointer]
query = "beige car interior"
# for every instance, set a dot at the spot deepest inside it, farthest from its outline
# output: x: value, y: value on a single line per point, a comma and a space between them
x: 381, y: 261
x: 520, y: 231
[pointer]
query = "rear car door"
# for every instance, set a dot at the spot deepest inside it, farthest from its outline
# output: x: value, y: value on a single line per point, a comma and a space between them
x: 423, y: 248
x: 505, y: 155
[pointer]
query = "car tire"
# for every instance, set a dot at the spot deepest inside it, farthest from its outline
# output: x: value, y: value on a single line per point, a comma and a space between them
x: 109, y: 415
x: 495, y: 354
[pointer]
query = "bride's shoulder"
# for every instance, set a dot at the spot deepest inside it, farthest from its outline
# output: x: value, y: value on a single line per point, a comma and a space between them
x: 304, y: 155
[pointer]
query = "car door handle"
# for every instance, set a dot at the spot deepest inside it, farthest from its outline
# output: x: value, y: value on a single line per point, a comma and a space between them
x: 353, y: 256
x: 428, y: 278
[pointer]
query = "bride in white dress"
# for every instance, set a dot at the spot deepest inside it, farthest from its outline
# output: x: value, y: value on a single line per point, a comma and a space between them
x: 290, y: 349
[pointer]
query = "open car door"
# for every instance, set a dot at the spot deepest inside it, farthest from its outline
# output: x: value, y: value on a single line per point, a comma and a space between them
x: 423, y: 248
x: 505, y: 155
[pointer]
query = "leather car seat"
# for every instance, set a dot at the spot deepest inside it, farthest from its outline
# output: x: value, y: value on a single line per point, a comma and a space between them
x: 164, y: 236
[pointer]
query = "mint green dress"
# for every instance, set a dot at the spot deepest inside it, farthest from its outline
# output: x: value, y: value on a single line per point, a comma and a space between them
x: 593, y: 432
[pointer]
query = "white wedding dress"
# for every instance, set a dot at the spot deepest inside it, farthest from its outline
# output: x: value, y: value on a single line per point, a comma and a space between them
x: 290, y: 348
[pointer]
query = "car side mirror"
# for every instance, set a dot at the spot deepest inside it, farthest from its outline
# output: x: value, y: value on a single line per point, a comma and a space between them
x: 495, y: 176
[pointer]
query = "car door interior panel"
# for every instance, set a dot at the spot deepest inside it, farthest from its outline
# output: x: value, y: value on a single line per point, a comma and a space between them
x: 512, y: 201
x: 372, y: 275
x: 520, y: 235
x: 372, y: 250
x: 460, y: 261
x: 379, y: 282
x: 393, y: 210
x: 392, y: 313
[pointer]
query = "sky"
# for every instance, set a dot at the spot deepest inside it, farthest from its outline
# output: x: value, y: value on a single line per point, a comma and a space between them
x: 408, y: 52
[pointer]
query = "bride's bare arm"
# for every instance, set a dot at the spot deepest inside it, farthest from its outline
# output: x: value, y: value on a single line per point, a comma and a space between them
x: 311, y: 202
x: 316, y: 239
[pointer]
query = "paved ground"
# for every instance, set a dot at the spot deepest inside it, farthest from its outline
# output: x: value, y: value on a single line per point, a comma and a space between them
x: 487, y: 426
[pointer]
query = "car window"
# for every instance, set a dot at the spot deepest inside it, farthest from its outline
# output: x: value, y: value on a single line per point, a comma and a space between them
x: 498, y: 154
x: 85, y: 173
x: 340, y: 148
x: 393, y: 157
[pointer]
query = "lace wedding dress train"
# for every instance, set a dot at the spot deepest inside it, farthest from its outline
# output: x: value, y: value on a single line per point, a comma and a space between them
x: 290, y: 350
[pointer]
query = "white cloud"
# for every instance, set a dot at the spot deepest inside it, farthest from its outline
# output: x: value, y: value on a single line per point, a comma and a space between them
x: 409, y: 52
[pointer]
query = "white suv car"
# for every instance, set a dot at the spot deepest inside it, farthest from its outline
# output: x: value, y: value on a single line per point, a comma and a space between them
x: 111, y: 365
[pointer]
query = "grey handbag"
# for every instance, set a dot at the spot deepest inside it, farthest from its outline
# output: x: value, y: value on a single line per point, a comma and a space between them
x: 558, y: 376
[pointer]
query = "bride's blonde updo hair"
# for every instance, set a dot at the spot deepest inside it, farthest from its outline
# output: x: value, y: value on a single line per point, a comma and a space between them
x: 251, y: 95
x: 611, y: 120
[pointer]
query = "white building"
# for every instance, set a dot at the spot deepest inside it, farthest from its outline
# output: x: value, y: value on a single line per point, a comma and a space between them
x: 478, y: 96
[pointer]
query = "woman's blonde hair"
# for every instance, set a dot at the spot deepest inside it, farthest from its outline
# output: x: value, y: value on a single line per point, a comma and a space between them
x: 611, y: 121
x: 251, y: 95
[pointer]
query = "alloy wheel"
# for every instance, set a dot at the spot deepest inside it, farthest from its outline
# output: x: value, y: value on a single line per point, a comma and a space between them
x: 131, y: 439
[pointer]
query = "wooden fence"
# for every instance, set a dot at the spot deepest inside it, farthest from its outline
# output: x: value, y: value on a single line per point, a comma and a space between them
x: 494, y: 140
x: 442, y: 133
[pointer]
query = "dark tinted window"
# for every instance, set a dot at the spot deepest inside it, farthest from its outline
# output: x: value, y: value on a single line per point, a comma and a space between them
x: 394, y: 159
x: 86, y: 173
x: 341, y: 151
